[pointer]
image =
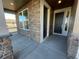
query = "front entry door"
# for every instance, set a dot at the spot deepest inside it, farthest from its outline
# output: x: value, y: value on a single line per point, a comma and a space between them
x: 61, y: 21
x: 59, y: 17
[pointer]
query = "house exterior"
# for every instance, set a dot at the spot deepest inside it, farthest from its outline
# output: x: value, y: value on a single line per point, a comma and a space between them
x: 34, y: 20
x: 33, y: 27
x: 36, y: 23
x: 35, y: 10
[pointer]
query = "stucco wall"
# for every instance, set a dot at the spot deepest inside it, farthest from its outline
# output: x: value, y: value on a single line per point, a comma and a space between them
x: 72, y: 19
x: 76, y: 24
x: 76, y: 28
x: 3, y: 28
x: 34, y: 20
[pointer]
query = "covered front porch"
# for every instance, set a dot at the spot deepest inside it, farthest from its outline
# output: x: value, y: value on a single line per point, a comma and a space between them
x: 25, y: 48
x: 45, y: 29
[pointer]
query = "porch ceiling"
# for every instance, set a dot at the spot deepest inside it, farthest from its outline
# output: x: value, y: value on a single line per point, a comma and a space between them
x: 64, y: 3
x: 17, y: 4
x: 20, y: 3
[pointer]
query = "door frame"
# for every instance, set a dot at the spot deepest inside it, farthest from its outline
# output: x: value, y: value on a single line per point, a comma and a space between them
x: 42, y: 4
x: 48, y: 18
x: 65, y: 10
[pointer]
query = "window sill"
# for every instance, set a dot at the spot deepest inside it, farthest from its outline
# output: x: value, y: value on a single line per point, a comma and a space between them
x: 26, y: 30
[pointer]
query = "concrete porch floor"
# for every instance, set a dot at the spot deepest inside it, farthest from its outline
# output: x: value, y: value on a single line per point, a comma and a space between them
x: 55, y: 47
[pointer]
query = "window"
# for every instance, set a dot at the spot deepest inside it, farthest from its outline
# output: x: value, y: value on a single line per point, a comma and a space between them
x: 24, y: 20
x: 11, y: 21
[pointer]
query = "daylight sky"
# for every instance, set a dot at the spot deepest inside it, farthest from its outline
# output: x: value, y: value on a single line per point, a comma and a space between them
x: 10, y: 16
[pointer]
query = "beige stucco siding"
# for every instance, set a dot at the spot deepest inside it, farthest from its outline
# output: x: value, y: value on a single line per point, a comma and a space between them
x: 3, y: 28
x: 73, y: 40
x: 76, y: 24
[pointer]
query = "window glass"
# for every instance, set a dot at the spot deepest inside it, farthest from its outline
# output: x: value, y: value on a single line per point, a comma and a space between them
x: 23, y: 20
x: 11, y: 21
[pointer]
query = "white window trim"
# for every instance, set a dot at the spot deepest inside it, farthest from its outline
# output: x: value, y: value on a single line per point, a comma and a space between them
x: 58, y: 11
x: 26, y: 20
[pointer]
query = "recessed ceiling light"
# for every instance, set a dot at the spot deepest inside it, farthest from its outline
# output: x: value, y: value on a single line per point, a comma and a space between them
x: 59, y: 1
x: 27, y: 8
x: 11, y: 3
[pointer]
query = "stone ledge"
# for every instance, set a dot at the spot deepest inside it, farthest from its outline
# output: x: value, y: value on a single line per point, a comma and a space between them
x: 73, y: 43
x: 6, y: 50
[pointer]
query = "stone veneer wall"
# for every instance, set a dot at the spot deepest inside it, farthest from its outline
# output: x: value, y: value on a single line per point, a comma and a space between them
x: 73, y: 43
x: 6, y: 51
x: 34, y: 20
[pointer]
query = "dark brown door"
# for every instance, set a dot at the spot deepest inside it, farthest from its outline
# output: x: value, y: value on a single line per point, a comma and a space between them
x: 59, y: 17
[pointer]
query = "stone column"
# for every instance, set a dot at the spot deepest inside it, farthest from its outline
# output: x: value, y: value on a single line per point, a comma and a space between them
x: 73, y: 41
x: 6, y: 51
x: 5, y: 42
x: 3, y: 27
